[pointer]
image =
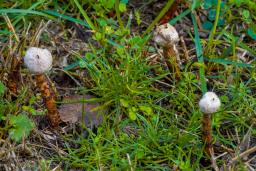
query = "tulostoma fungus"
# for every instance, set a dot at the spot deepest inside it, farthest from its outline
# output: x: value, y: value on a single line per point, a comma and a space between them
x: 209, y: 104
x: 39, y: 61
x: 167, y: 37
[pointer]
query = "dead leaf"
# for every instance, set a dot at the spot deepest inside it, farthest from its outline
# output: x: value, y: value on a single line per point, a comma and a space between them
x: 73, y: 110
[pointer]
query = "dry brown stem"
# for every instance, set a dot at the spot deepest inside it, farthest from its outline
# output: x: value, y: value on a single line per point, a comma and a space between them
x: 13, y: 76
x: 247, y: 152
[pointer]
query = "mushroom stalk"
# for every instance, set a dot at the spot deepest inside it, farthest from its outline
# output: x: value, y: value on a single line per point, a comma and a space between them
x: 207, y: 134
x: 39, y: 61
x: 209, y: 104
x: 171, y: 60
x: 167, y: 37
x: 49, y: 99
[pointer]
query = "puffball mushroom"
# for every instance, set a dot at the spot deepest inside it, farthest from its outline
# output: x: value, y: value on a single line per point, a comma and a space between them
x: 167, y: 37
x: 209, y: 104
x: 39, y: 61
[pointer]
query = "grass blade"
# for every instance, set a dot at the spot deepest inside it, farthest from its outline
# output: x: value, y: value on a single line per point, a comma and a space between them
x: 30, y: 8
x: 209, y: 45
x: 199, y: 53
x: 241, y: 44
x: 24, y: 12
x: 86, y: 17
x: 179, y: 17
x: 229, y: 62
x: 56, y: 14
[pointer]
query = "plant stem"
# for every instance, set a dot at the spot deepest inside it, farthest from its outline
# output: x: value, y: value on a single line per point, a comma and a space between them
x: 13, y: 76
x: 213, y: 31
x: 118, y: 14
x: 199, y: 54
x: 86, y: 17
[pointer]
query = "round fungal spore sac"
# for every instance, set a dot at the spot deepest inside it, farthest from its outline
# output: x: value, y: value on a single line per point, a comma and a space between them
x: 165, y: 35
x: 209, y: 103
x: 38, y: 60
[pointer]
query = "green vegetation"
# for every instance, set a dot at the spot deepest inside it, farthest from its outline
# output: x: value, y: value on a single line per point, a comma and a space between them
x: 151, y: 121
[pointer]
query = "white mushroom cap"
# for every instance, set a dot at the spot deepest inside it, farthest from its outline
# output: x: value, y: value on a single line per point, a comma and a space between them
x: 38, y: 60
x: 209, y: 103
x: 165, y: 35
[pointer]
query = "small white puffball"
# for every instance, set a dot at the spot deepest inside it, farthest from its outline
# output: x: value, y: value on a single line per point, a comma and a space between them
x: 38, y: 60
x: 209, y: 103
x: 165, y: 35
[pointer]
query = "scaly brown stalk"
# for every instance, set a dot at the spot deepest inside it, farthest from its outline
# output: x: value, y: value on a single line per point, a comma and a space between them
x: 207, y: 134
x: 49, y: 100
x: 171, y: 61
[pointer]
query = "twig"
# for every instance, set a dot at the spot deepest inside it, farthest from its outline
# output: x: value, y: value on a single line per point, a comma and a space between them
x: 129, y: 161
x: 229, y: 150
x: 39, y: 31
x: 10, y: 26
x: 223, y: 154
x: 247, y: 152
x: 214, y: 164
x: 184, y: 47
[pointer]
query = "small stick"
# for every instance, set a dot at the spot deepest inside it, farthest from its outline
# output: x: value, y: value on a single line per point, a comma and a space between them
x: 214, y: 164
x: 129, y: 161
x: 184, y: 47
x: 228, y: 150
x: 247, y: 152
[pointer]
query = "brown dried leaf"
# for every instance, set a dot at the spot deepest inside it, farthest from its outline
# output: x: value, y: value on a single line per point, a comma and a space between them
x: 72, y: 112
